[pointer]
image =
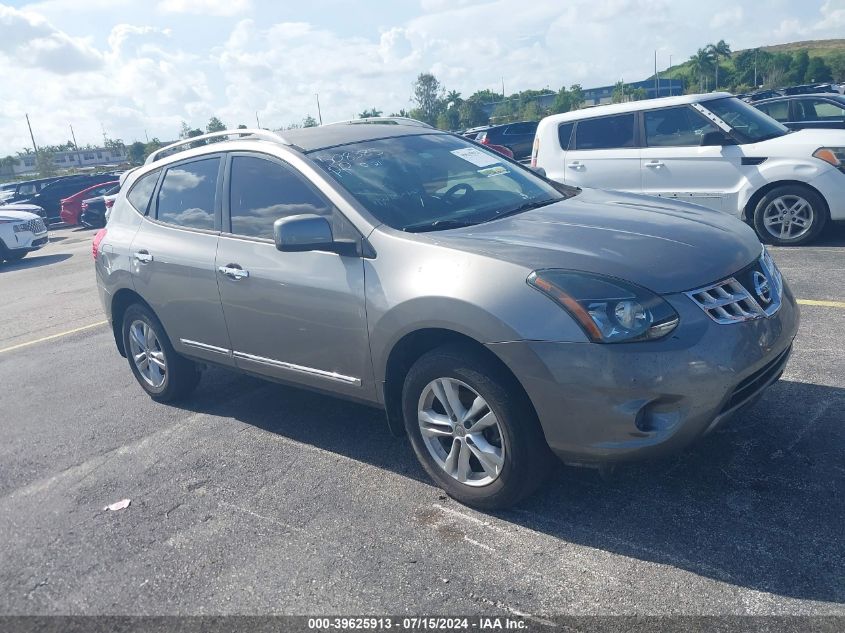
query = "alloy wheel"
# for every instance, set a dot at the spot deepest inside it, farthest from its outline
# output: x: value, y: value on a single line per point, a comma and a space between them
x: 147, y: 353
x: 461, y: 432
x: 788, y: 217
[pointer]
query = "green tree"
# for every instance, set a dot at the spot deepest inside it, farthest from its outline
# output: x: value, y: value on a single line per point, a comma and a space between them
x: 366, y: 114
x: 309, y: 121
x: 152, y: 146
x: 402, y: 112
x: 184, y: 130
x: 718, y: 51
x: 114, y: 144
x: 453, y: 97
x: 531, y: 112
x: 837, y: 66
x: 576, y: 96
x: 193, y: 134
x: 215, y: 125
x: 135, y: 153
x: 638, y: 94
x: 799, y: 66
x: 44, y: 164
x: 471, y: 114
x: 443, y: 121
x: 428, y: 95
x: 618, y: 95
x: 817, y: 71
x: 700, y: 66
x: 562, y: 102
x: 241, y: 126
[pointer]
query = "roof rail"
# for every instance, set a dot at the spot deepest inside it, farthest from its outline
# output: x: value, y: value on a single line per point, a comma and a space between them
x: 246, y: 134
x: 389, y: 120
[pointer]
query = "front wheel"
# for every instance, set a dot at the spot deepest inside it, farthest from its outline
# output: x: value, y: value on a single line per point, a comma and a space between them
x: 164, y: 375
x: 790, y: 215
x: 473, y: 429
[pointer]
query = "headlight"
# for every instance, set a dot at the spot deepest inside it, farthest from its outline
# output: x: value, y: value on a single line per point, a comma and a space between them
x: 833, y: 155
x: 609, y: 310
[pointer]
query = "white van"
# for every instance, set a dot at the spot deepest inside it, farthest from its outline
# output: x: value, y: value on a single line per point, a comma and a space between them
x: 713, y: 150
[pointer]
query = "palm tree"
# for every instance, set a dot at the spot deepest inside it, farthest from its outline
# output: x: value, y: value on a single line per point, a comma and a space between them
x: 454, y: 97
x: 700, y: 64
x: 718, y: 51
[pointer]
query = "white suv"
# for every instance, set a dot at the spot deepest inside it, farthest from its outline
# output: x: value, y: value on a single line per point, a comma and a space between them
x: 21, y: 232
x: 713, y: 150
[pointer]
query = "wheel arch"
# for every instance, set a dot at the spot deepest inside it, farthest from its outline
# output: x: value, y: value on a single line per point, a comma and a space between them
x: 412, y: 345
x: 750, y: 206
x: 121, y: 300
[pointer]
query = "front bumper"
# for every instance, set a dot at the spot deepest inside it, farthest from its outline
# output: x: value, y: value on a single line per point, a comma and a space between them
x: 620, y: 402
x: 28, y: 242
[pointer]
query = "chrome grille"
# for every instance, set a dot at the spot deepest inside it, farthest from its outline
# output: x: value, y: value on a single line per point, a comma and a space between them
x: 33, y: 226
x: 734, y: 301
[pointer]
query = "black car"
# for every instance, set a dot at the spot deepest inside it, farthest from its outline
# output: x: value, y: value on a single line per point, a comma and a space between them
x: 50, y: 197
x: 823, y: 110
x: 94, y: 210
x: 24, y: 189
x: 517, y: 137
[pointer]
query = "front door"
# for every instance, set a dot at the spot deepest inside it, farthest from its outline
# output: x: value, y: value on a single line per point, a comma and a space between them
x: 297, y: 316
x: 675, y: 165
x: 604, y: 154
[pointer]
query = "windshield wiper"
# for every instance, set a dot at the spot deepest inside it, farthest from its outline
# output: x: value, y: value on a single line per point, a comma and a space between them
x: 526, y: 206
x: 439, y: 225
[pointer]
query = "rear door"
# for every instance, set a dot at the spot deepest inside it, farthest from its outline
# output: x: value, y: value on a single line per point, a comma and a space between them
x: 604, y: 154
x: 173, y: 257
x: 675, y: 165
x: 296, y: 316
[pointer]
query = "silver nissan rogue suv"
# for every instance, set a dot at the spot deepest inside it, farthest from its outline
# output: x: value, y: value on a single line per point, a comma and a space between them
x: 500, y: 319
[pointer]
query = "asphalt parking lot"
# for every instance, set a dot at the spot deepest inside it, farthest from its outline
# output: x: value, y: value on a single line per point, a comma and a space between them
x: 254, y: 498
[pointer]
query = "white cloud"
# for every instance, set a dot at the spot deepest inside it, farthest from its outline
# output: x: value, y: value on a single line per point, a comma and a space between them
x: 729, y: 17
x: 225, y: 8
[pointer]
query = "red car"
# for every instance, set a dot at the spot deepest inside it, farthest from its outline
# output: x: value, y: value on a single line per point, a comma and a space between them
x: 72, y: 206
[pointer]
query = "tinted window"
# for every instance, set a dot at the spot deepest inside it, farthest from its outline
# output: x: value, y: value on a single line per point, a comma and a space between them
x: 605, y: 133
x: 778, y: 110
x: 188, y: 193
x: 140, y: 194
x: 674, y: 127
x: 818, y: 110
x: 745, y: 121
x: 564, y: 134
x: 264, y: 191
x: 521, y: 128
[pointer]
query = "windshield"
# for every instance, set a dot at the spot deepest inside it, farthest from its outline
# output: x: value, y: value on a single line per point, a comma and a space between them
x: 432, y: 182
x: 747, y: 122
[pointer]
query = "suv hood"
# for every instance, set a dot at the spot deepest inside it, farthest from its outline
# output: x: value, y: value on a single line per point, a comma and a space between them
x: 12, y: 212
x: 664, y: 246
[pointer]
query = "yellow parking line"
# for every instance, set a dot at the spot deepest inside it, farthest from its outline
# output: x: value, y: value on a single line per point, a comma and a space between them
x: 823, y: 304
x: 53, y: 336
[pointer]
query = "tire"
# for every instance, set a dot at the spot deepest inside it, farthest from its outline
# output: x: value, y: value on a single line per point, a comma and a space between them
x: 177, y: 378
x: 778, y: 212
x: 518, y: 458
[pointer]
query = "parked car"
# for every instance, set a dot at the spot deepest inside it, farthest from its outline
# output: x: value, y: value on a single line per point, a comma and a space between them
x: 71, y: 207
x: 497, y: 317
x: 21, y: 232
x: 824, y: 110
x: 94, y: 210
x: 713, y: 150
x: 50, y: 197
x: 25, y: 188
x: 517, y: 137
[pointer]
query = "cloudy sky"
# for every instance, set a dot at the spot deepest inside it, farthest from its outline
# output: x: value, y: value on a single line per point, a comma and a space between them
x: 140, y: 67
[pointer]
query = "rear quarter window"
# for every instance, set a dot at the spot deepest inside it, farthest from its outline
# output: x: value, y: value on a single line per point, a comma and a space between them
x: 142, y: 191
x: 609, y: 132
x: 564, y: 134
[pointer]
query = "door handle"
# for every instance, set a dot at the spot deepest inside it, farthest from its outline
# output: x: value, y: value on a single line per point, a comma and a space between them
x: 576, y: 164
x: 233, y: 271
x: 656, y: 164
x: 143, y: 256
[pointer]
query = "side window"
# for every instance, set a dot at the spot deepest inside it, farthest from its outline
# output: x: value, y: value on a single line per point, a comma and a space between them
x: 521, y: 128
x: 778, y: 110
x: 675, y: 127
x: 141, y: 192
x: 188, y: 193
x: 819, y: 110
x: 263, y: 191
x: 608, y: 132
x: 564, y: 134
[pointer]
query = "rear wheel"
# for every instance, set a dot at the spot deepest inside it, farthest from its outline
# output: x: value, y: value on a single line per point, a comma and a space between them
x: 164, y: 375
x: 473, y: 430
x: 790, y: 215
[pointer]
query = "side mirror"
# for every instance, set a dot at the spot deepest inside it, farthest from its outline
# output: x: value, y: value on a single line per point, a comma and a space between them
x: 307, y: 232
x: 538, y: 170
x: 716, y: 138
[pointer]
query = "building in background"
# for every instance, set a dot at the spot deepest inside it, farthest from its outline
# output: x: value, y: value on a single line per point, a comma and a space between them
x: 84, y: 159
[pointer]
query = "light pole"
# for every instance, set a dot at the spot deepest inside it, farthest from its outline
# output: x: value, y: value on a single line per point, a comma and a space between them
x: 319, y: 114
